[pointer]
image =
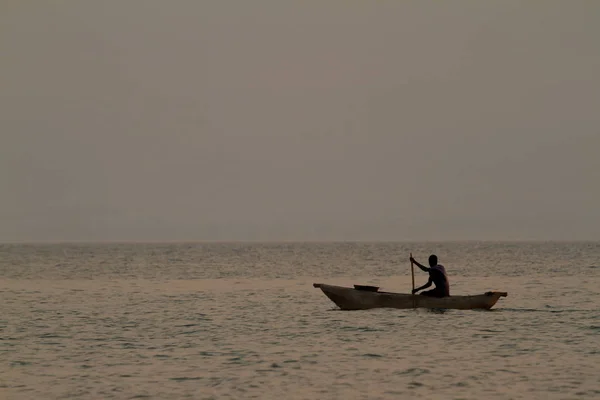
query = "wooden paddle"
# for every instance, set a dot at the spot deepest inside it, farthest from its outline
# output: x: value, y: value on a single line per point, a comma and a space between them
x: 412, y: 272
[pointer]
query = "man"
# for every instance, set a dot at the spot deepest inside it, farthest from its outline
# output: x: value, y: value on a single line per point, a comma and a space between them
x: 437, y: 276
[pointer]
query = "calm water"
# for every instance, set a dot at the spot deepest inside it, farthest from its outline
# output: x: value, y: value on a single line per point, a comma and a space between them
x: 238, y: 321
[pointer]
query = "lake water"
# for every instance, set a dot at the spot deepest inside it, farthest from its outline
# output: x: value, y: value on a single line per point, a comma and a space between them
x: 242, y: 320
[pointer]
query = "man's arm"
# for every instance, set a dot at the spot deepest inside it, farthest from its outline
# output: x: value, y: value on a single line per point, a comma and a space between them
x: 425, y: 286
x: 424, y: 268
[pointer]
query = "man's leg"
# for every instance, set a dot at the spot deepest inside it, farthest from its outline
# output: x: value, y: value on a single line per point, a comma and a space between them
x: 432, y: 293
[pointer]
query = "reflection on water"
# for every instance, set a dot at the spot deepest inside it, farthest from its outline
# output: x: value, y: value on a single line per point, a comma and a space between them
x: 437, y: 310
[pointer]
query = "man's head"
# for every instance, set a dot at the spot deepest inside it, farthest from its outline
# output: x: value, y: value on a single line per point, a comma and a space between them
x: 433, y: 260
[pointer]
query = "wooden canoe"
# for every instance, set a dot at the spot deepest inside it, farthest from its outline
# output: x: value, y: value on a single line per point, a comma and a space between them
x: 348, y: 298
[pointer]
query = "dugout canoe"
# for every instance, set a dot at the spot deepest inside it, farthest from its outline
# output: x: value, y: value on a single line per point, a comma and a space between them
x: 367, y: 297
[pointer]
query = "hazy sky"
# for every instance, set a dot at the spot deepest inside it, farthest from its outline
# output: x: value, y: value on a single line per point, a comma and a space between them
x: 310, y: 120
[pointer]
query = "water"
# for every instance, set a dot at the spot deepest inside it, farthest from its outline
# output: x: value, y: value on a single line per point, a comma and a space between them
x: 240, y: 321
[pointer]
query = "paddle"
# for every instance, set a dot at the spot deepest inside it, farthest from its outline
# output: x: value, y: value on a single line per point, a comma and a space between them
x: 412, y: 272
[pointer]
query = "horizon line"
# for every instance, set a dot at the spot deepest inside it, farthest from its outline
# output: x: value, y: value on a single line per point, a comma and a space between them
x: 291, y: 241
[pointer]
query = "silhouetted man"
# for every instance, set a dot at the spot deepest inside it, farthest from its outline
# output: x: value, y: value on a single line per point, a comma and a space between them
x: 437, y: 276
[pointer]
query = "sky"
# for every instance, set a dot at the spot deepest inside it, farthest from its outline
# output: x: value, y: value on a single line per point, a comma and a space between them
x: 148, y: 120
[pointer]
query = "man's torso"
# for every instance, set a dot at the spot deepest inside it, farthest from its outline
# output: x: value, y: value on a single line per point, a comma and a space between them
x: 440, y: 279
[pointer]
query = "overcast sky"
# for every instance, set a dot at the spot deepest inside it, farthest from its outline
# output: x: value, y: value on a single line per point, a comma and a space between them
x: 299, y: 120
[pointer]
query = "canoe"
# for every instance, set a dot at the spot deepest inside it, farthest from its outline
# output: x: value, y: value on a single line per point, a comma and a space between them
x: 348, y: 298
